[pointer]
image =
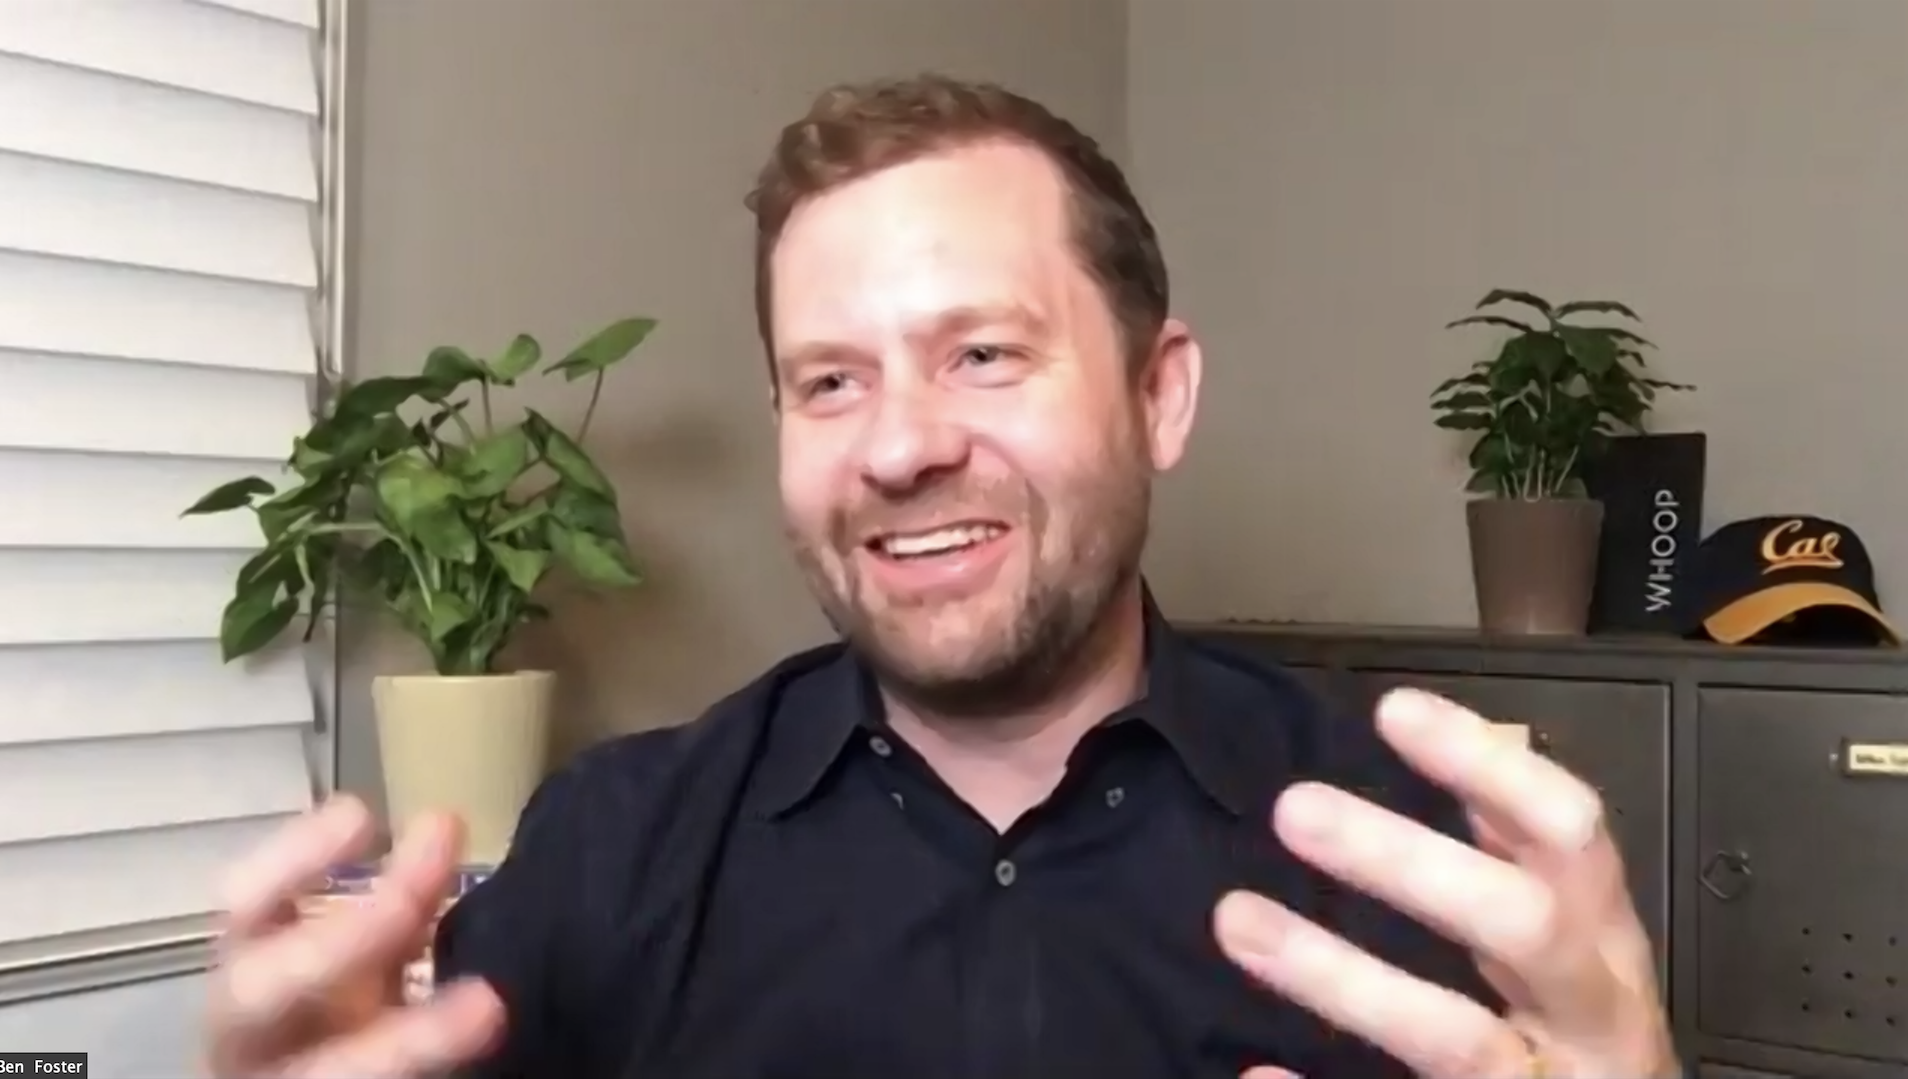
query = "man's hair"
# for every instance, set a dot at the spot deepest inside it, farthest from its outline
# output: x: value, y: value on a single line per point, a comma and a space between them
x: 856, y: 129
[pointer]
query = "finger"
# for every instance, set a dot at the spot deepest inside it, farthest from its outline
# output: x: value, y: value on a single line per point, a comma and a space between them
x: 1437, y: 1033
x: 1531, y: 801
x: 459, y: 1024
x: 1267, y: 1071
x: 1530, y: 807
x: 264, y: 988
x: 1489, y: 905
x: 260, y: 890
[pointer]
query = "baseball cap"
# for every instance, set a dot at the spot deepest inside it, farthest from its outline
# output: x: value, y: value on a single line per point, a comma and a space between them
x: 1794, y: 578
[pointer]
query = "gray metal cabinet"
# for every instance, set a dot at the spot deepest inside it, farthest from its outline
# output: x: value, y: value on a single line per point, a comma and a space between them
x: 1803, y: 912
x: 1615, y: 735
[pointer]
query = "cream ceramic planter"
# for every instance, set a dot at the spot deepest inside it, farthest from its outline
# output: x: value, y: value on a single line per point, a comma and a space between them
x: 475, y: 746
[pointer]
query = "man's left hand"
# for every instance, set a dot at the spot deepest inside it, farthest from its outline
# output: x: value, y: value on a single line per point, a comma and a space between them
x: 1541, y: 903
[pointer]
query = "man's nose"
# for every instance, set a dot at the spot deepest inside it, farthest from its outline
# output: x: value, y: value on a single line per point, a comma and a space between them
x: 911, y: 440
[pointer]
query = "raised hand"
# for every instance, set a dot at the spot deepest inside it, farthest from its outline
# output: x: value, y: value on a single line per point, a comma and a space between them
x: 1543, y: 906
x: 296, y: 999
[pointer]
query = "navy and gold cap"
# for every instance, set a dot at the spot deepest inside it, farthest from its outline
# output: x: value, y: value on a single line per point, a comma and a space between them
x: 1786, y: 579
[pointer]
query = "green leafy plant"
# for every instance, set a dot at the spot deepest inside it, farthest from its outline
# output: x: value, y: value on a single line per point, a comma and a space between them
x: 1552, y: 397
x: 446, y: 522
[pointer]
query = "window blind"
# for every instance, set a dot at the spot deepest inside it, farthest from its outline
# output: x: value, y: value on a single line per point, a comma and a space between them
x: 160, y: 327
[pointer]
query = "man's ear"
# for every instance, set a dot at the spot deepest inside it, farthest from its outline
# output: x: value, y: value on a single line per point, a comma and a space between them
x: 1169, y: 391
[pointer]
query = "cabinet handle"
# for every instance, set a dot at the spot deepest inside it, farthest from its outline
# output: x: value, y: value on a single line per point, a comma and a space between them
x: 1727, y: 875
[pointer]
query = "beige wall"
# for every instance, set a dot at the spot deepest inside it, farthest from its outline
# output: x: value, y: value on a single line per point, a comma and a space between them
x: 1335, y: 181
x: 547, y: 165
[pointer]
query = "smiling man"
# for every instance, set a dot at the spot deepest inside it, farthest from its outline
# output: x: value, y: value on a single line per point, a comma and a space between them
x: 1013, y: 826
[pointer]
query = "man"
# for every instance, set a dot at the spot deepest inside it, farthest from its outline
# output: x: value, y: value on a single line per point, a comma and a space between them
x: 1015, y: 827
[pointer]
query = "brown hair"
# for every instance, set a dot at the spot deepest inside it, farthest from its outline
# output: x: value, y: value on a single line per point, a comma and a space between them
x: 856, y: 129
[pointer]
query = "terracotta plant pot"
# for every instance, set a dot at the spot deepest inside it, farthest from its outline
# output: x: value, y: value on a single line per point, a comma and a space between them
x: 1534, y: 563
x: 474, y: 746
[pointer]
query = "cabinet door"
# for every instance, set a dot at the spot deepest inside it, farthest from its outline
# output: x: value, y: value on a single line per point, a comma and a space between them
x: 1803, y: 910
x: 1615, y: 735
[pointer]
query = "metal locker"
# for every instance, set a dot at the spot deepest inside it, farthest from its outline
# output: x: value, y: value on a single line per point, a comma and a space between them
x: 1615, y: 735
x: 1802, y: 922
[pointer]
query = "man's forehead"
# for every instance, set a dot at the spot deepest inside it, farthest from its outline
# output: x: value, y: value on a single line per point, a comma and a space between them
x: 979, y: 229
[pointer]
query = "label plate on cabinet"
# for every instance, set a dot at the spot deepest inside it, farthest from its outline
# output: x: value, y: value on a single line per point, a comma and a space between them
x: 1886, y: 759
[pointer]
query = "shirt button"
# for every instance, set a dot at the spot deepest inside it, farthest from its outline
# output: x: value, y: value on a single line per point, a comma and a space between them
x: 1114, y: 796
x: 880, y: 746
x: 1005, y: 872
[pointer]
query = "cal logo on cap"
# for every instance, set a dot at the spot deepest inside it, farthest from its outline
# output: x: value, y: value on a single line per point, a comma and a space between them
x: 1786, y: 546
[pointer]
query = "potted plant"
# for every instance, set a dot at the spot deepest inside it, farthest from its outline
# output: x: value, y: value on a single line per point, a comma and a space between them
x: 448, y: 523
x: 1559, y: 388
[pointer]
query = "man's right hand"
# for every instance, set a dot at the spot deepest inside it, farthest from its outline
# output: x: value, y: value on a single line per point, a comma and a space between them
x: 319, y: 997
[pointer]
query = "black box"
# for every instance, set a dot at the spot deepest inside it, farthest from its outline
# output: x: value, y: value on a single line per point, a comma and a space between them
x: 1651, y: 487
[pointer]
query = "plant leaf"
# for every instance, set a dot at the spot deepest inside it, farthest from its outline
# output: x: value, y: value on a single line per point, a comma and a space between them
x: 409, y: 485
x: 1491, y: 320
x: 597, y: 560
x: 1511, y: 295
x: 448, y: 612
x: 376, y: 397
x: 608, y: 347
x: 1594, y: 307
x: 419, y: 500
x: 523, y: 568
x: 1593, y: 348
x: 519, y: 519
x: 230, y: 496
x: 586, y: 511
x: 566, y: 457
x: 1469, y: 401
x: 494, y: 463
x: 449, y: 367
x: 519, y: 357
x: 253, y: 618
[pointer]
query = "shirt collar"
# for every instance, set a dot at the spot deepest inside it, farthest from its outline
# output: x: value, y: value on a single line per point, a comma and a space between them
x: 819, y: 717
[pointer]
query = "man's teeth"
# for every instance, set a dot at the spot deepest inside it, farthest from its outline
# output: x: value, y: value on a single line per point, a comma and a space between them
x: 937, y: 542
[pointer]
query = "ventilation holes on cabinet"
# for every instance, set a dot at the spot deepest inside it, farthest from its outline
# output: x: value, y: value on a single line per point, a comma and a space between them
x: 1844, y: 987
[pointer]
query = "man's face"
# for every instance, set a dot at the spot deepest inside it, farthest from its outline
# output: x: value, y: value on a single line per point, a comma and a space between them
x: 966, y: 459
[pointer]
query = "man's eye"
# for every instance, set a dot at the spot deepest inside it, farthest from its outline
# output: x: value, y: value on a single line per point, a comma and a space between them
x: 982, y: 355
x: 824, y: 384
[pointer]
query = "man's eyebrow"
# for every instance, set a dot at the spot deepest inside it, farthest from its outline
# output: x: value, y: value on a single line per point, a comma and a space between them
x: 966, y: 319
x: 952, y: 322
x: 814, y: 354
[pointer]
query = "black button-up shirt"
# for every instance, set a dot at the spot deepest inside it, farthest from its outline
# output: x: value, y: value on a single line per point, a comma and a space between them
x: 784, y: 890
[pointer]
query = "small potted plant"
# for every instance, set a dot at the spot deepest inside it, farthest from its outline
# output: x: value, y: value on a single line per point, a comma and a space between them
x: 447, y: 522
x: 1564, y: 382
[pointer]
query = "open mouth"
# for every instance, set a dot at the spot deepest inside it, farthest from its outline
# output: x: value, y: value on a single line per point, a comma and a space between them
x: 937, y: 542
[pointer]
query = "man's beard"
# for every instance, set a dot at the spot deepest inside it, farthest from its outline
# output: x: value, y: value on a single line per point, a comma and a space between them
x: 1051, y: 636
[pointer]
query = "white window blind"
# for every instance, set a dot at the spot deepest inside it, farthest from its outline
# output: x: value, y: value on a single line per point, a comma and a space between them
x: 160, y: 317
